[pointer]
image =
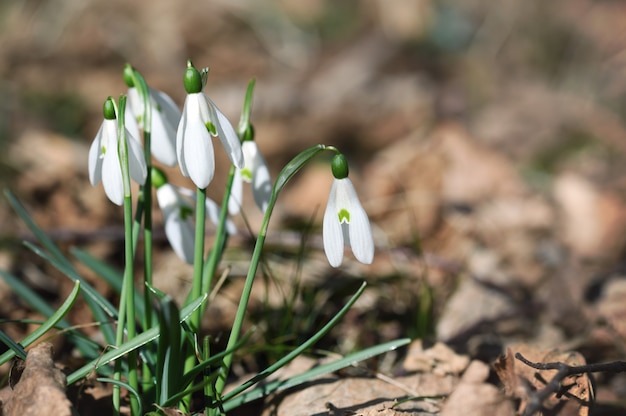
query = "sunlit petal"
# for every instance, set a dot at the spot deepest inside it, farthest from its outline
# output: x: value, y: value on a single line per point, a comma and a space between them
x: 95, y: 159
x: 213, y: 213
x: 112, y: 174
x: 236, y: 194
x: 136, y: 159
x: 165, y: 118
x: 261, y: 182
x: 331, y: 230
x: 227, y: 135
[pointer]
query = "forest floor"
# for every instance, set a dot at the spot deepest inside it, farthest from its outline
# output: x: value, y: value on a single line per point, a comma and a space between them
x: 486, y: 141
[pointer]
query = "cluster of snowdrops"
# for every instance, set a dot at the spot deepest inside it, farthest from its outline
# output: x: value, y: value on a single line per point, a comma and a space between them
x: 185, y: 138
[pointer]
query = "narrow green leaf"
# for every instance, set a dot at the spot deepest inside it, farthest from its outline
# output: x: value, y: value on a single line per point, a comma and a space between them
x: 49, y: 324
x: 99, y: 305
x: 244, y: 121
x: 14, y: 346
x: 294, y: 166
x: 138, y: 341
x: 303, y: 347
x: 313, y: 373
x: 126, y: 386
x: 110, y: 275
x: 88, y: 348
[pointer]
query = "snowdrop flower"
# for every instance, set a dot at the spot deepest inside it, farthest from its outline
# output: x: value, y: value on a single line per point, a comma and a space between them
x: 254, y: 172
x: 345, y: 219
x: 104, y: 160
x: 165, y: 119
x: 177, y: 206
x: 200, y: 120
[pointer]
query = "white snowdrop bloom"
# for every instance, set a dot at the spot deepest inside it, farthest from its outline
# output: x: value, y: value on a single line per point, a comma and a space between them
x: 104, y: 160
x: 178, y: 206
x: 199, y: 121
x: 165, y: 118
x: 345, y: 221
x: 254, y: 172
x: 178, y: 221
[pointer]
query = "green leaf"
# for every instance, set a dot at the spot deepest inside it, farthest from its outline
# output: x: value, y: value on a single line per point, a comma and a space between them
x: 303, y: 347
x: 305, y: 377
x: 171, y: 360
x: 294, y: 166
x: 244, y: 121
x: 63, y: 263
x: 126, y: 386
x: 88, y: 348
x: 14, y: 346
x: 99, y: 305
x: 49, y: 324
x: 138, y: 341
x: 110, y: 275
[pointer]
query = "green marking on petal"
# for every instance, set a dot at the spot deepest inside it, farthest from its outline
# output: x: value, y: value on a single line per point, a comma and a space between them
x: 211, y: 128
x: 184, y: 212
x: 103, y: 150
x: 246, y: 175
x: 344, y: 215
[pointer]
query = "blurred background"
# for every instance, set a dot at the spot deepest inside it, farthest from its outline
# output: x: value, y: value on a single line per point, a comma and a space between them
x: 486, y: 140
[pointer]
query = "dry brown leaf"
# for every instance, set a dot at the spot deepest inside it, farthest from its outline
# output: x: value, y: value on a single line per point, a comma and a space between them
x: 612, y: 307
x: 438, y: 359
x: 521, y: 381
x: 474, y: 397
x: 41, y: 388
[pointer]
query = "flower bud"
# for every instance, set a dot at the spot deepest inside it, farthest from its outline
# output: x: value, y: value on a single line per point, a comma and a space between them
x: 339, y: 166
x: 109, y: 109
x: 192, y: 79
x: 248, y: 135
x: 158, y: 177
x: 128, y: 75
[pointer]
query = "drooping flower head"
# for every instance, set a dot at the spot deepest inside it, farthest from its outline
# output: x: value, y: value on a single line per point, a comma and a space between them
x: 254, y: 172
x: 104, y: 159
x: 200, y: 120
x: 178, y: 215
x: 165, y: 118
x: 345, y: 220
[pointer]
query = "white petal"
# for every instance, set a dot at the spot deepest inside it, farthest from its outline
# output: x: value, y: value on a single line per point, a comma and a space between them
x: 180, y: 137
x: 112, y: 172
x: 236, y: 194
x: 134, y: 104
x: 130, y: 118
x: 165, y: 118
x: 361, y: 239
x: 331, y: 230
x: 194, y: 146
x: 227, y: 135
x: 261, y: 182
x: 179, y: 231
x: 95, y: 161
x: 213, y: 213
x: 136, y: 159
x: 198, y: 154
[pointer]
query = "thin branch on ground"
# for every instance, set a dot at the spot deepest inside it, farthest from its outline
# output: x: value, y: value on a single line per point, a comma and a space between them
x: 536, y: 400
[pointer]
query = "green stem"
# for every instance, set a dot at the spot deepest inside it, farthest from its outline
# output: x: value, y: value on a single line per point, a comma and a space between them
x: 220, y: 237
x: 286, y: 173
x: 128, y: 292
x: 196, y: 287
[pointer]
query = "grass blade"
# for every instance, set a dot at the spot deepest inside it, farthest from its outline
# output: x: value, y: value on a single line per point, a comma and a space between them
x: 131, y: 345
x: 88, y: 348
x: 315, y: 372
x: 49, y: 324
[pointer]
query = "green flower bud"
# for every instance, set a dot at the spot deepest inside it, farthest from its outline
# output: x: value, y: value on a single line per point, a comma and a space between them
x: 129, y: 76
x: 248, y: 135
x: 109, y: 109
x: 339, y: 165
x: 192, y: 79
x: 158, y: 177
